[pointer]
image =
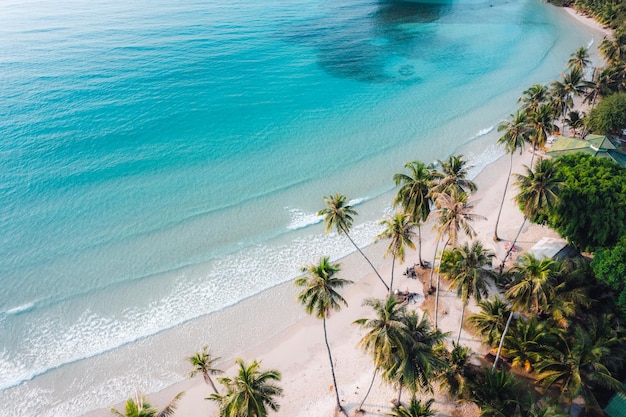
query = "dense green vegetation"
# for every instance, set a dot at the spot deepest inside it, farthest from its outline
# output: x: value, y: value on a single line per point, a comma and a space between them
x: 609, y: 116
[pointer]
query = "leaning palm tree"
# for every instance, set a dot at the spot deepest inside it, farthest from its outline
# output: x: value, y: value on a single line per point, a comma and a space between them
x: 611, y: 50
x: 560, y: 99
x: 455, y: 214
x: 319, y: 296
x: 515, y: 137
x: 541, y: 126
x: 339, y: 215
x: 539, y: 190
x: 139, y: 407
x: 415, y: 409
x: 466, y: 267
x: 250, y: 393
x: 579, y: 60
x: 399, y: 231
x: 203, y: 363
x: 387, y: 333
x: 414, y: 195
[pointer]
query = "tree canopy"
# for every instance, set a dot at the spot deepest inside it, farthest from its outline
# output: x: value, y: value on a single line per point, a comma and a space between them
x: 609, y: 116
x: 609, y: 266
x: 590, y: 211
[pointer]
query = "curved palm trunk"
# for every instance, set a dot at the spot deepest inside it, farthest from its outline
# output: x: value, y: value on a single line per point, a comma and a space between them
x: 506, y: 187
x: 506, y: 329
x: 458, y: 339
x: 508, y: 252
x: 332, y: 368
x: 432, y: 267
x: 438, y: 282
x: 367, y: 259
x: 400, y: 392
x: 368, y: 390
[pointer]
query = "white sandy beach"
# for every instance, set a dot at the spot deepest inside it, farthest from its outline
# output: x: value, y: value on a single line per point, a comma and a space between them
x: 298, y: 352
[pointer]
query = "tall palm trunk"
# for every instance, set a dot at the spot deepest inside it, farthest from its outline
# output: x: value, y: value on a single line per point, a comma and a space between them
x: 210, y: 381
x: 366, y: 258
x: 432, y: 267
x: 506, y: 329
x: 458, y: 339
x: 508, y: 252
x: 393, y: 263
x: 419, y: 245
x: 332, y: 368
x: 368, y: 390
x: 506, y: 187
x: 399, y: 393
x: 438, y: 282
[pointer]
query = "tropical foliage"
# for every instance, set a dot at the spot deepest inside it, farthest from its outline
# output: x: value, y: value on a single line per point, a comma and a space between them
x: 139, y: 407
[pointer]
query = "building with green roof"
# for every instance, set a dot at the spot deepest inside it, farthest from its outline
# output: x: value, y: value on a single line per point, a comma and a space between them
x: 596, y: 145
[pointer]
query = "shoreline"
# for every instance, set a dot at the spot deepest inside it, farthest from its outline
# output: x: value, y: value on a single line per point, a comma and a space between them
x: 297, y: 351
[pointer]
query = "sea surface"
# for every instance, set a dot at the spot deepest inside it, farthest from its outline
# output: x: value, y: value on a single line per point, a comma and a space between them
x: 161, y: 161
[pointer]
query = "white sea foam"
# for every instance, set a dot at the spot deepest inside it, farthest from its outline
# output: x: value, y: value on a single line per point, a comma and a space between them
x: 479, y: 161
x: 301, y: 219
x: 20, y: 309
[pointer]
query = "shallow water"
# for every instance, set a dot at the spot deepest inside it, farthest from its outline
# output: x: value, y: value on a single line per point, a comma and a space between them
x: 160, y: 161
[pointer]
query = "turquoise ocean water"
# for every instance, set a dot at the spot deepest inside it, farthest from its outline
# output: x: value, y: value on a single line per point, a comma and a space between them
x: 160, y: 161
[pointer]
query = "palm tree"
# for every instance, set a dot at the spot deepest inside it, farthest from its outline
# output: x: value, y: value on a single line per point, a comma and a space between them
x: 415, y: 409
x: 455, y: 215
x: 453, y: 177
x: 386, y: 337
x: 339, y: 215
x: 420, y: 362
x: 139, y: 407
x: 526, y: 341
x: 560, y: 99
x: 414, y: 195
x: 515, y: 137
x: 399, y: 231
x: 538, y: 193
x: 465, y: 266
x: 203, y: 363
x: 532, y: 287
x: 250, y: 393
x: 611, y: 50
x: 319, y: 296
x: 495, y: 392
x: 533, y: 97
x: 579, y: 60
x: 453, y: 375
x: 490, y: 322
x: 575, y: 121
x: 541, y: 126
x: 578, y: 368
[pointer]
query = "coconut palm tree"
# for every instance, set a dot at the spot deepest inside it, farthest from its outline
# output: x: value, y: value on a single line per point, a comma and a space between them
x: 420, y: 362
x: 526, y: 342
x: 533, y: 97
x: 319, y: 296
x: 579, y: 60
x: 541, y: 126
x: 203, y: 363
x: 250, y: 393
x: 560, y: 99
x: 415, y: 409
x: 139, y: 407
x: 532, y: 287
x: 490, y: 322
x: 496, y: 393
x: 453, y: 376
x: 579, y: 367
x: 455, y: 214
x: 575, y: 120
x: 538, y: 192
x: 465, y: 266
x: 611, y: 50
x: 414, y: 195
x: 453, y: 177
x: 399, y: 231
x: 387, y: 335
x: 515, y: 136
x: 339, y: 215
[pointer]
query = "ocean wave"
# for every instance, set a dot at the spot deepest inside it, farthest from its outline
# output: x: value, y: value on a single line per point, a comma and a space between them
x: 19, y: 309
x: 590, y: 43
x: 478, y: 162
x: 483, y: 132
x: 301, y: 219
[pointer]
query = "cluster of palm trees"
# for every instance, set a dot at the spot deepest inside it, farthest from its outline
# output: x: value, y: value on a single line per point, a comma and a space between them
x: 563, y: 335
